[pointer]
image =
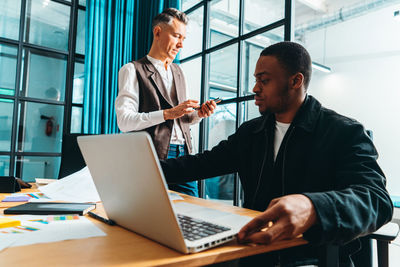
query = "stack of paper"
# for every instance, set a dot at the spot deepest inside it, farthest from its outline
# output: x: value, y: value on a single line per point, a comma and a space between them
x: 77, y: 187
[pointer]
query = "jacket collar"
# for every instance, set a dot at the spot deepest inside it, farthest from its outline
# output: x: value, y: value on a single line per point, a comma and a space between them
x: 308, y: 114
x: 306, y: 117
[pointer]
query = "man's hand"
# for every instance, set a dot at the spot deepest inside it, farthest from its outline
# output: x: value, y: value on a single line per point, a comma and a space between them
x: 207, y: 109
x: 290, y: 215
x: 180, y: 110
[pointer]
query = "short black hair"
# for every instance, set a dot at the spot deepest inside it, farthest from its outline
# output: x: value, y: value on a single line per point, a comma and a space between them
x: 293, y: 57
x: 168, y: 15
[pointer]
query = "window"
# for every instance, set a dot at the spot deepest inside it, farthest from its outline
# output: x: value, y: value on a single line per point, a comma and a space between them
x: 44, y: 75
x: 41, y: 83
x: 47, y: 24
x: 6, y: 113
x: 77, y: 98
x: 8, y: 69
x: 224, y: 21
x: 224, y: 39
x: 9, y: 18
x: 194, y: 34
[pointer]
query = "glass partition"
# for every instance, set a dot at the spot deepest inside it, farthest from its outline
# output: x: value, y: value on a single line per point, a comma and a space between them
x: 220, y: 126
x: 6, y: 114
x: 224, y: 21
x: 80, y: 34
x: 259, y: 13
x: 46, y: 76
x: 8, y: 69
x: 192, y: 71
x: 40, y: 127
x: 47, y: 24
x: 4, y: 165
x: 194, y: 34
x: 79, y: 83
x: 223, y: 68
x: 38, y: 167
x: 9, y: 18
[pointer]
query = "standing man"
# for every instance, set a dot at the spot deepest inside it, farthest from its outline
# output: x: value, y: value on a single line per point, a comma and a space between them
x: 152, y: 94
x: 308, y: 169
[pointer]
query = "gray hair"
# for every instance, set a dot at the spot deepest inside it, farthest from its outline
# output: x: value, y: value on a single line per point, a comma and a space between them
x: 168, y: 15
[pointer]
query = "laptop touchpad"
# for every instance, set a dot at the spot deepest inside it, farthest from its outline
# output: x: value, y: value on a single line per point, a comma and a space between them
x: 207, y: 214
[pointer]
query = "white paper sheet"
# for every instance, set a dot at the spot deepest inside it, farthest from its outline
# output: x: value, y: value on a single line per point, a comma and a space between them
x: 51, y: 232
x: 174, y: 196
x: 7, y: 241
x: 77, y: 187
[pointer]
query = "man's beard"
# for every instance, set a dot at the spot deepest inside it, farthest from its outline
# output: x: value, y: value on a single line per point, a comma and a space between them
x: 282, y: 105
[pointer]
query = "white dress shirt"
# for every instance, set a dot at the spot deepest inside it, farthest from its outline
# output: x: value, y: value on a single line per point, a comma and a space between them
x: 127, y: 102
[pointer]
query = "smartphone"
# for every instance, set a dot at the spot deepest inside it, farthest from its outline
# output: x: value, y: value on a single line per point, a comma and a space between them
x: 216, y: 100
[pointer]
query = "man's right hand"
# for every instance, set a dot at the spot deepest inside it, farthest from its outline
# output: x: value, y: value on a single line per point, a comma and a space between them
x: 291, y: 215
x: 180, y: 110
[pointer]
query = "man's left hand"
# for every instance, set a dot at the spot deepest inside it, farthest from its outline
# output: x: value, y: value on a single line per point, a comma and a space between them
x: 207, y: 109
x: 285, y: 218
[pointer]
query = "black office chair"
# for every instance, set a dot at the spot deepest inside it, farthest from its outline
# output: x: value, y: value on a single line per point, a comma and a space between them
x: 363, y: 258
x: 71, y: 156
x: 329, y: 256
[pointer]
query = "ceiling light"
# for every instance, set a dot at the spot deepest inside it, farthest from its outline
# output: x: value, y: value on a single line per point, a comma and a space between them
x: 321, y: 67
x: 317, y: 5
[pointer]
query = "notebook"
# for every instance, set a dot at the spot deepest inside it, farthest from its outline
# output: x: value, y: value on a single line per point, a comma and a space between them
x: 132, y: 187
x: 46, y: 208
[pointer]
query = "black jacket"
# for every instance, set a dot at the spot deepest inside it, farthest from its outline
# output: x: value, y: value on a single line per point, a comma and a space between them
x: 325, y: 156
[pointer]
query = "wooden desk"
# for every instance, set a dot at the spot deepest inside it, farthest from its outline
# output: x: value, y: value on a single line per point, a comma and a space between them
x: 122, y: 247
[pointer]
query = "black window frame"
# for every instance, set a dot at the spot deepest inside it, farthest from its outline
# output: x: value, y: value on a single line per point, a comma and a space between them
x: 71, y: 57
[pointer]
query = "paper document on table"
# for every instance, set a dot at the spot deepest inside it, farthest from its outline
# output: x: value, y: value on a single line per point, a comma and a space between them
x: 174, y: 196
x: 7, y: 241
x: 36, y: 229
x: 77, y: 187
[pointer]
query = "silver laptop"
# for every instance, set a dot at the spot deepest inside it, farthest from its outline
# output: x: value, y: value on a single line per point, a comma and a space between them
x: 132, y: 187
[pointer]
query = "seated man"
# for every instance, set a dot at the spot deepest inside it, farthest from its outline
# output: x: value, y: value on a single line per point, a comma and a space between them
x: 309, y: 170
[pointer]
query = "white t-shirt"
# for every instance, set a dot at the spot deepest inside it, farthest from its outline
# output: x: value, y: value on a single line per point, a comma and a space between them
x: 280, y: 131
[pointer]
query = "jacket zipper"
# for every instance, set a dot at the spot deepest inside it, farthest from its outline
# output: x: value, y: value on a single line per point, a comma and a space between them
x: 283, y: 172
x: 261, y: 172
x: 283, y: 160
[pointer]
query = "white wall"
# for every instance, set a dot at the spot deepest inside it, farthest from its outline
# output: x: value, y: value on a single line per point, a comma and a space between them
x: 364, y: 54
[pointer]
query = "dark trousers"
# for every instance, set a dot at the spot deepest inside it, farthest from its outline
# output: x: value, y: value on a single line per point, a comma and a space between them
x: 189, y: 188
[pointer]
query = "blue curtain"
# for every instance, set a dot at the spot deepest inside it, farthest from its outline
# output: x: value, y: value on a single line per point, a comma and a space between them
x: 117, y: 32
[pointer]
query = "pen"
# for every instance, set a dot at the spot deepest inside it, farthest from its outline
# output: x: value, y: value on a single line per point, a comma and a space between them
x: 216, y: 100
x: 100, y: 218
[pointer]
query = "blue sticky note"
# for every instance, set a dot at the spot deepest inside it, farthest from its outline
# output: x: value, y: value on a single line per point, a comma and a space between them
x: 16, y: 199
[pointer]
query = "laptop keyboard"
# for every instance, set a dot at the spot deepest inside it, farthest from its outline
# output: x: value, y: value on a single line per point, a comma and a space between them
x: 194, y: 229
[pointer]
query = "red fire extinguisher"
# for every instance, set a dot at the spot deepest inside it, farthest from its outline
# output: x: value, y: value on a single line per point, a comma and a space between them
x: 49, y: 124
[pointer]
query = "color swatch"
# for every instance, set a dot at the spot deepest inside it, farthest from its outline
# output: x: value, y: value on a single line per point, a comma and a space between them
x: 8, y: 222
x: 62, y: 218
x: 37, y: 195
